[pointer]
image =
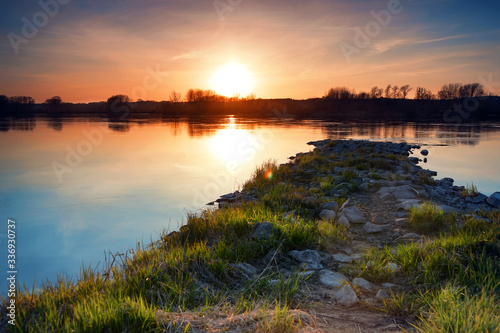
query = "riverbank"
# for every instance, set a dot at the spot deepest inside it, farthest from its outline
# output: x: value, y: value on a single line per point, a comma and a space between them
x: 351, y: 236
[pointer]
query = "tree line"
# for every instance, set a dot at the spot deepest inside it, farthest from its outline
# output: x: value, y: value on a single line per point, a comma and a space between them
x: 447, y: 92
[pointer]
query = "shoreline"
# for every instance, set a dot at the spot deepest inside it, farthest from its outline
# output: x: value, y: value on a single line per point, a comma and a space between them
x: 303, y: 242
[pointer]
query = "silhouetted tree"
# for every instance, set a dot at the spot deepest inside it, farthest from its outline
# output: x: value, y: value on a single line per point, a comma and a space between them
x: 4, y: 103
x: 118, y: 107
x: 21, y: 103
x: 404, y: 90
x: 449, y: 91
x: 471, y: 90
x: 175, y: 97
x: 388, y: 91
x: 376, y: 92
x: 423, y: 94
x: 395, y: 92
x: 339, y: 93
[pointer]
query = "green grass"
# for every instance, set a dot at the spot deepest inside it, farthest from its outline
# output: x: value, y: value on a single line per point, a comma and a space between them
x: 427, y: 218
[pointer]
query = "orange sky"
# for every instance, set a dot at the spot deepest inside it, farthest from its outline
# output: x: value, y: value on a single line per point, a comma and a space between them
x: 90, y: 50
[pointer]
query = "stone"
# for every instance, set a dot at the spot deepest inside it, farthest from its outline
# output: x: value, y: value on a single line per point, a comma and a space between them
x: 408, y: 204
x: 404, y: 192
x: 389, y: 285
x: 480, y: 198
x: 263, y: 231
x: 307, y: 256
x: 392, y: 267
x: 363, y: 284
x: 327, y: 215
x: 246, y: 269
x: 332, y: 279
x: 289, y: 215
x: 332, y: 205
x: 494, y: 200
x: 348, y: 203
x: 382, y: 294
x: 386, y: 197
x: 378, y: 219
x: 340, y: 257
x: 357, y: 256
x: 414, y: 159
x: 424, y: 152
x: 346, y: 296
x: 371, y: 228
x: 412, y: 237
x: 353, y: 214
x: 342, y: 220
x: 448, y: 209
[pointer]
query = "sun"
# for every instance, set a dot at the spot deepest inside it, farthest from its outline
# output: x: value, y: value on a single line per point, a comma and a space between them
x: 232, y: 79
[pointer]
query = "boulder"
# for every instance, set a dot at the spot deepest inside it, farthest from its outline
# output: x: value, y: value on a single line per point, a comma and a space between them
x: 348, y: 203
x: 246, y: 269
x: 412, y: 237
x: 408, y: 204
x: 263, y: 231
x: 343, y: 220
x: 340, y: 257
x: 424, y: 152
x: 404, y: 192
x: 332, y: 205
x: 346, y: 296
x: 382, y: 294
x: 309, y: 256
x: 363, y: 284
x: 371, y: 228
x: 353, y: 214
x: 332, y: 279
x: 327, y: 215
x: 494, y: 200
x: 480, y: 198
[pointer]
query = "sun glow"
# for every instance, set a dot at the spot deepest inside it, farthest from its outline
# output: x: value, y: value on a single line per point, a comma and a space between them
x: 232, y: 79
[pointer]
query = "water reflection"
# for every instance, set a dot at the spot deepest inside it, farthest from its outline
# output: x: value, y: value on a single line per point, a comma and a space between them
x: 144, y: 175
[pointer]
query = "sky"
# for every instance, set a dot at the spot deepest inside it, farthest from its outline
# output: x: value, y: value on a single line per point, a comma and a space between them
x: 89, y: 50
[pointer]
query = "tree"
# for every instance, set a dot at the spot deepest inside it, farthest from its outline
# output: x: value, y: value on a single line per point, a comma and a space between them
x: 423, y: 94
x: 22, y: 103
x: 450, y: 91
x: 376, y: 92
x: 395, y: 92
x: 56, y: 100
x: 471, y: 90
x: 388, y: 91
x: 175, y: 97
x: 404, y: 90
x: 4, y: 103
x: 339, y: 93
x: 118, y: 107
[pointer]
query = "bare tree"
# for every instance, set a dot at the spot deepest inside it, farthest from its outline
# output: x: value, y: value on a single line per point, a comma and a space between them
x: 388, y: 91
x: 450, y: 91
x: 471, y: 90
x: 423, y: 94
x: 339, y: 93
x: 175, y: 97
x: 404, y: 90
x: 376, y: 92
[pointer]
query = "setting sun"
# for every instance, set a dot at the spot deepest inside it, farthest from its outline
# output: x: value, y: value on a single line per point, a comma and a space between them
x: 232, y: 79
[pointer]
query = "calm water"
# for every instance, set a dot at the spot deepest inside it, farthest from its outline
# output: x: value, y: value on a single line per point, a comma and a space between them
x: 78, y: 188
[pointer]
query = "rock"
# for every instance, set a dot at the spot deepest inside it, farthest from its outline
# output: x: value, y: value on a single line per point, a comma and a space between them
x: 327, y: 215
x: 348, y: 203
x: 308, y: 256
x: 340, y: 257
x: 494, y: 200
x: 392, y: 267
x: 424, y: 152
x: 480, y: 198
x: 448, y: 209
x: 246, y: 269
x: 332, y: 205
x: 357, y: 256
x: 363, y: 284
x: 346, y: 296
x: 378, y: 219
x: 414, y: 159
x: 400, y: 221
x: 389, y: 285
x: 263, y: 231
x: 343, y: 220
x: 353, y: 214
x: 404, y: 192
x: 408, y: 204
x: 412, y: 237
x: 332, y: 279
x: 371, y: 228
x: 382, y: 294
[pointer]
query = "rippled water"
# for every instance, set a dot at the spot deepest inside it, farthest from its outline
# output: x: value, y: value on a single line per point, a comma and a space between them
x: 79, y: 187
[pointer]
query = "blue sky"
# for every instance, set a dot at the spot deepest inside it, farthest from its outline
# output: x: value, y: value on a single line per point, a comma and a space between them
x: 92, y: 49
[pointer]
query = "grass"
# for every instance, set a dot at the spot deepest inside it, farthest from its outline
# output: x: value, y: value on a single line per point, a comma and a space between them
x: 469, y: 191
x: 427, y: 218
x: 452, y: 281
